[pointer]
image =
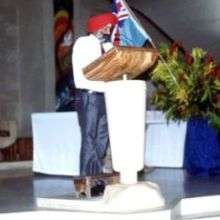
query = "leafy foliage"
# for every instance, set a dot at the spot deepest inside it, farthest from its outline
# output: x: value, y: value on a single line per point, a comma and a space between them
x: 188, y: 84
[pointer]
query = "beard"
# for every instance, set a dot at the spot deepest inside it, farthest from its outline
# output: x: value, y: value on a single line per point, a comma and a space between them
x: 103, y: 38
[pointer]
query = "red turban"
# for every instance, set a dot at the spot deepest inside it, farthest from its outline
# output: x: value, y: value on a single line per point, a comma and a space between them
x: 97, y: 22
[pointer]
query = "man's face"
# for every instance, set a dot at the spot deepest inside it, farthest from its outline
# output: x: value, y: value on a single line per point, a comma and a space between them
x: 106, y: 30
x: 104, y: 34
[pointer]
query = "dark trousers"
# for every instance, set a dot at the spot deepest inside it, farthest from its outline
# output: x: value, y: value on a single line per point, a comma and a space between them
x: 94, y: 131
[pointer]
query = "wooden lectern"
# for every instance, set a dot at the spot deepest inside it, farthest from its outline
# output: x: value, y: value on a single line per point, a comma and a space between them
x: 118, y: 61
x: 112, y: 65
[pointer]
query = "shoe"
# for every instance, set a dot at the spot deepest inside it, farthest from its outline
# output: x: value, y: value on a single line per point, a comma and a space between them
x: 98, y: 188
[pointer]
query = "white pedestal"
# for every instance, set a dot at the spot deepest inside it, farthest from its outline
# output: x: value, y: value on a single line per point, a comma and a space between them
x: 126, y: 108
x: 126, y: 104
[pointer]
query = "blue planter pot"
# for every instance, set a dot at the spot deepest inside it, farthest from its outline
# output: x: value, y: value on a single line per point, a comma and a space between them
x: 202, y: 148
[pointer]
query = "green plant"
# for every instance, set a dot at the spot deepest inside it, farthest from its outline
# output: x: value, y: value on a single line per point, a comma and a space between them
x: 187, y: 84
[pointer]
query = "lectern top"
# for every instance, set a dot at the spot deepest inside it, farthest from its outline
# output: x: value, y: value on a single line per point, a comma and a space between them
x: 121, y: 60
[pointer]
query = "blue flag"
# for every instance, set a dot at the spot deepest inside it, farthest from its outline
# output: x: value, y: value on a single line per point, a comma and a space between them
x: 129, y: 31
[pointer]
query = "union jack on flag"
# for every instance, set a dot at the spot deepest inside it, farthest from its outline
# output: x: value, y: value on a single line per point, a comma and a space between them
x: 121, y: 11
x: 128, y: 31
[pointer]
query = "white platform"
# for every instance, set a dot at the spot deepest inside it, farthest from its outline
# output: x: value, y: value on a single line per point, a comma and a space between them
x: 207, y: 207
x: 84, y: 215
x: 56, y: 139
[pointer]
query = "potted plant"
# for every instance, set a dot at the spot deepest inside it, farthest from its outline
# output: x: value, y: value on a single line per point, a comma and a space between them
x: 188, y: 88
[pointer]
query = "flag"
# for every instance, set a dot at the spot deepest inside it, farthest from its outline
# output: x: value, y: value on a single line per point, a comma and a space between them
x: 128, y: 31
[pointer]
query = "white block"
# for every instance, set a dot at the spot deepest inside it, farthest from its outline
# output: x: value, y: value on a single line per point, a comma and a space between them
x: 56, y: 143
x: 164, y: 142
x: 198, y: 206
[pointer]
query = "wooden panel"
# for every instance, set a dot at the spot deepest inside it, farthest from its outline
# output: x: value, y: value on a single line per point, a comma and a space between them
x: 118, y: 61
x: 21, y: 150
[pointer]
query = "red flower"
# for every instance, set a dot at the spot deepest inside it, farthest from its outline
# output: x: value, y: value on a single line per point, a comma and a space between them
x: 174, y: 46
x: 215, y: 73
x: 188, y: 58
x: 217, y: 97
x: 208, y: 59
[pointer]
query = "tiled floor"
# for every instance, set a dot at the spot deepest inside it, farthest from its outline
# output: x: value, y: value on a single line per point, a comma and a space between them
x: 19, y: 192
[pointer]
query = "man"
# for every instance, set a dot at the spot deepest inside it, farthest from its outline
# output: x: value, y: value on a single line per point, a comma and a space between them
x: 89, y: 96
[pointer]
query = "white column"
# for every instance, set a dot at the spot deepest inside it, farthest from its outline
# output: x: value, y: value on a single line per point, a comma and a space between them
x: 126, y: 107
